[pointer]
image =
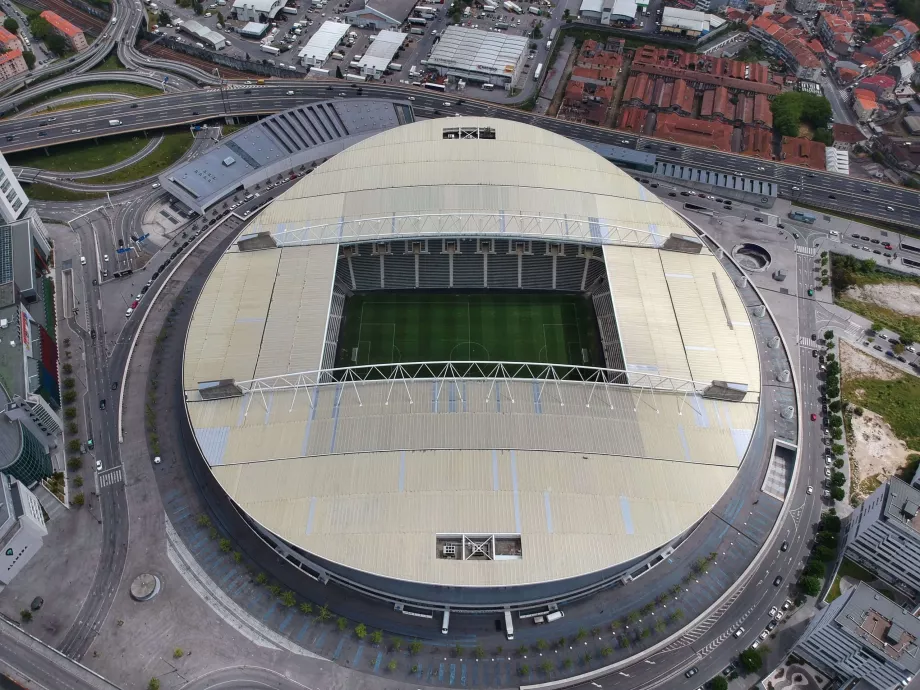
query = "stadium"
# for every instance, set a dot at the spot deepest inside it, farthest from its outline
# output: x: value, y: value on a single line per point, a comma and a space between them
x: 470, y: 364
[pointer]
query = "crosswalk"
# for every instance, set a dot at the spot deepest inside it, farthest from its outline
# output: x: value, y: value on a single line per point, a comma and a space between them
x: 110, y: 477
x: 805, y: 251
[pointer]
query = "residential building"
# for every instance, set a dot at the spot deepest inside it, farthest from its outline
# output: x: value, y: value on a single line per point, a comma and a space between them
x: 11, y: 64
x: 896, y: 40
x: 847, y: 136
x: 804, y: 152
x: 864, y: 636
x: 883, y: 534
x: 786, y: 46
x: 758, y: 142
x: 13, y: 199
x: 379, y: 14
x: 714, y: 135
x: 864, y: 103
x: 9, y: 41
x: 70, y: 33
x: 633, y: 120
x: 808, y: 7
x: 22, y: 528
x: 835, y: 33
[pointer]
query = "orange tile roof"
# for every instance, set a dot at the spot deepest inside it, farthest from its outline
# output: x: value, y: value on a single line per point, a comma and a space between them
x: 585, y: 72
x: 915, y: 56
x: 762, y: 112
x: 758, y: 142
x: 798, y: 151
x: 9, y: 56
x: 633, y: 119
x: 61, y: 24
x: 709, y: 97
x: 6, y: 36
x: 695, y: 132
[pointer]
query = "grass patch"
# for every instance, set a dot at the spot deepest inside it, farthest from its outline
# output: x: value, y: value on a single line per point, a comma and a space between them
x: 77, y: 104
x: 44, y: 192
x: 171, y: 149
x: 78, y: 157
x: 127, y: 88
x: 413, y: 327
x: 889, y: 318
x: 848, y: 569
x: 897, y: 401
x: 110, y: 64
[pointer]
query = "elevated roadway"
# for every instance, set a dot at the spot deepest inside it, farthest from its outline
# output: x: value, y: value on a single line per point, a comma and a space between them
x: 817, y: 188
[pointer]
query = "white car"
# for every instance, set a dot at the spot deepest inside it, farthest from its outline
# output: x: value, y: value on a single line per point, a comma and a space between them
x: 157, y: 460
x: 773, y: 611
x: 83, y: 261
x: 411, y: 98
x: 763, y: 635
x: 288, y: 93
x: 778, y: 616
x: 156, y: 185
x: 129, y: 312
x: 827, y: 471
x: 99, y: 465
x: 447, y: 103
x: 105, y: 257
x: 756, y: 644
x: 810, y: 490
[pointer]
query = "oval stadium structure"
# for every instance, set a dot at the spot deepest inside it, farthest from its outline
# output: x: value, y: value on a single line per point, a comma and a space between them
x: 470, y: 363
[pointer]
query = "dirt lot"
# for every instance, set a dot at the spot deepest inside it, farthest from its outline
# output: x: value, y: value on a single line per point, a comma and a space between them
x: 903, y: 298
x: 857, y: 364
x: 876, y: 453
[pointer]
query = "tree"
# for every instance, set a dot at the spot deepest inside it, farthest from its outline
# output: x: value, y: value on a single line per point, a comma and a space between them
x: 376, y: 637
x: 830, y: 523
x: 838, y: 479
x: 220, y: 18
x: 718, y: 683
x: 814, y: 568
x: 877, y: 326
x: 154, y: 684
x: 71, y: 395
x: 794, y: 107
x: 79, y: 499
x: 828, y: 539
x: 73, y: 446
x: 338, y: 73
x: 824, y: 553
x: 837, y: 493
x: 750, y: 660
x: 11, y: 25
x: 25, y: 615
x: 56, y: 44
x: 828, y: 335
x: 29, y: 57
x: 163, y: 18
x: 811, y: 585
x: 416, y: 646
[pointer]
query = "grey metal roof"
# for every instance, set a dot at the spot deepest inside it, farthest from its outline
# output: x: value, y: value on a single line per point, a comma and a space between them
x: 882, y: 625
x: 901, y: 505
x: 475, y: 50
x: 397, y: 10
x: 279, y: 143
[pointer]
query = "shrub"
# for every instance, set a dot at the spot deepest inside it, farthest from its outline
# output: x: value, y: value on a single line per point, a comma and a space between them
x: 323, y: 614
x: 225, y: 545
x: 203, y: 520
x: 261, y: 578
x: 546, y: 667
x: 377, y: 637
x: 69, y: 396
x: 78, y: 481
x: 606, y: 651
x: 858, y: 411
x: 478, y: 651
x: 414, y: 668
x: 74, y: 464
x: 523, y: 670
x: 396, y: 644
x: 67, y: 368
x: 566, y: 664
x: 154, y: 684
x: 416, y: 646
x: 70, y: 413
x: 541, y: 645
x: 306, y: 608
x: 392, y: 665
x: 237, y: 556
x: 288, y: 599
x: 68, y: 383
x: 25, y: 615
x: 178, y: 653
x: 79, y: 499
x: 341, y: 623
x: 274, y: 590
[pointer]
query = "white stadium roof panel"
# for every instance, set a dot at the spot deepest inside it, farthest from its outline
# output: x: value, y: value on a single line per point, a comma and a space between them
x: 367, y: 474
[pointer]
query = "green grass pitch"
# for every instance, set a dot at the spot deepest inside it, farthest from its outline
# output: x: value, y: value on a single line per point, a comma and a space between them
x: 389, y: 327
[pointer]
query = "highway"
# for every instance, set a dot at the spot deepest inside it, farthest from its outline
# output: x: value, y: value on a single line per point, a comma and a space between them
x: 818, y: 188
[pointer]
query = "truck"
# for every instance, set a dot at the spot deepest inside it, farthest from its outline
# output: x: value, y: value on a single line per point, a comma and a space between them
x: 271, y: 50
x: 337, y: 56
x: 489, y: 7
x: 511, y: 7
x: 289, y: 10
x: 114, y: 123
x: 394, y: 67
x: 417, y: 21
x: 509, y: 626
x: 466, y: 11
x: 537, y: 73
x: 802, y: 217
x: 355, y: 77
x: 417, y: 31
x: 552, y: 35
x: 502, y: 25
x: 533, y: 9
x: 413, y: 71
x: 549, y: 44
x: 548, y: 618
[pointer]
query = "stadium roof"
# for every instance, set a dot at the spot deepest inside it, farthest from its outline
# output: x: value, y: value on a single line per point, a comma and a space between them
x: 586, y: 486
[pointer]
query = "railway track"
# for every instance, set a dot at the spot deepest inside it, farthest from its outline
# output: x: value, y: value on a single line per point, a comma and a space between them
x: 165, y: 53
x: 87, y: 22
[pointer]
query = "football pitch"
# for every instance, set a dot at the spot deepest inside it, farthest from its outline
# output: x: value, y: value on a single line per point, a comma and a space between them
x: 389, y: 327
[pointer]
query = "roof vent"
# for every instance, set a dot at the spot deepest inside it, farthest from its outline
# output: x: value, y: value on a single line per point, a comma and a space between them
x: 228, y: 161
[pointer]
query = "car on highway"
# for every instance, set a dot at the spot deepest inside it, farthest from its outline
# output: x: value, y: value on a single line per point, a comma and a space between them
x: 129, y: 312
x: 114, y: 385
x: 99, y: 465
x: 288, y: 93
x: 784, y: 546
x: 890, y: 209
x: 691, y: 672
x: 105, y: 257
x: 778, y: 580
x: 102, y: 404
x: 739, y: 632
x: 810, y: 490
x: 447, y: 103
x: 83, y: 261
x: 813, y: 416
x: 75, y: 131
x: 156, y: 185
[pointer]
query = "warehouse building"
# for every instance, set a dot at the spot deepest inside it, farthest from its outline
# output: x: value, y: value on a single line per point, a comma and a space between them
x: 480, y: 56
x: 204, y: 34
x: 257, y: 10
x: 254, y: 30
x: 322, y: 44
x: 380, y: 14
x: 381, y: 53
x: 864, y: 636
x: 688, y: 23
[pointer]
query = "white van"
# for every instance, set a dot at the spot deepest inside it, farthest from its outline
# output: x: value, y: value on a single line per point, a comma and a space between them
x: 548, y: 618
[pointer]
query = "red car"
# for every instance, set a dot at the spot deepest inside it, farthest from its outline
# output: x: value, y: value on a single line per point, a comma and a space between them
x: 134, y: 306
x: 813, y: 416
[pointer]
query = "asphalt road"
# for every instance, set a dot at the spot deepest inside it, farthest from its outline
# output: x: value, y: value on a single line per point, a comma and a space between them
x: 831, y: 191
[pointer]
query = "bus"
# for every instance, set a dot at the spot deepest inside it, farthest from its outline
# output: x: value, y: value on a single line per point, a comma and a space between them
x: 538, y: 72
x: 434, y: 86
x: 552, y: 35
x: 802, y: 217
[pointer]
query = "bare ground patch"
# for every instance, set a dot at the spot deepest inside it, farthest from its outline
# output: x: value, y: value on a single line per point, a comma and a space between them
x: 902, y: 297
x: 875, y: 453
x: 857, y: 364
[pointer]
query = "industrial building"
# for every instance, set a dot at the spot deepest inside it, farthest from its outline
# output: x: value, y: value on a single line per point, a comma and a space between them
x: 883, y: 535
x: 688, y: 23
x: 480, y: 56
x: 322, y: 44
x: 863, y: 636
x: 379, y: 14
x: 262, y: 11
x: 476, y: 489
x: 202, y: 33
x: 381, y: 53
x: 22, y: 528
x: 254, y: 30
x: 301, y: 137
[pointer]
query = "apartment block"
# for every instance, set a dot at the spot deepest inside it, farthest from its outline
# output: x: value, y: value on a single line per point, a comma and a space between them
x: 788, y: 45
x: 22, y: 528
x: 11, y: 64
x: 9, y: 41
x: 883, y: 535
x: 863, y: 636
x: 72, y: 34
